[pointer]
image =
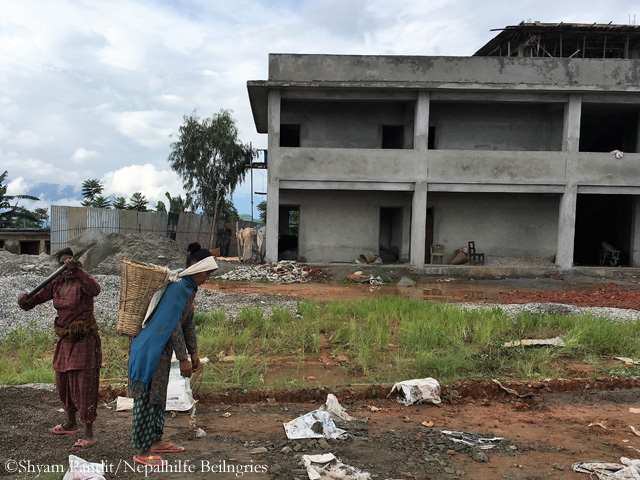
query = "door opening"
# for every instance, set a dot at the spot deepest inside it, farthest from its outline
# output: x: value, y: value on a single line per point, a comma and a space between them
x: 602, y: 218
x: 390, y: 237
x: 289, y: 226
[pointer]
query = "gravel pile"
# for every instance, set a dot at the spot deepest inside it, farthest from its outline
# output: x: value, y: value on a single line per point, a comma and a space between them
x: 106, y: 304
x: 512, y: 310
x: 524, y: 262
x: 285, y: 271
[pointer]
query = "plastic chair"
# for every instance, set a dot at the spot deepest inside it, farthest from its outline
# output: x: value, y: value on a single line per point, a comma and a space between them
x: 437, y: 250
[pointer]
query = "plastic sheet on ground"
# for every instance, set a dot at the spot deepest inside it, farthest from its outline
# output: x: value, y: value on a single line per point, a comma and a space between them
x: 628, y: 469
x: 423, y: 390
x: 315, y: 424
x: 327, y: 466
x: 334, y: 408
x: 80, y: 469
x: 124, y: 404
x: 551, y: 342
x: 483, y: 443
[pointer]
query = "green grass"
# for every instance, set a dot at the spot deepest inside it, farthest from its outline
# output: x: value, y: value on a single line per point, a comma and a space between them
x: 386, y: 339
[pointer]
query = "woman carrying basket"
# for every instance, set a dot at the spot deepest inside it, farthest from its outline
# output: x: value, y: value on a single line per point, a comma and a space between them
x: 170, y: 328
x: 78, y: 355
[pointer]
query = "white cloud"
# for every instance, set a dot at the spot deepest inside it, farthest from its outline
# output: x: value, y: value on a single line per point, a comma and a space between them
x: 18, y: 186
x: 81, y: 155
x: 147, y: 179
x: 148, y: 128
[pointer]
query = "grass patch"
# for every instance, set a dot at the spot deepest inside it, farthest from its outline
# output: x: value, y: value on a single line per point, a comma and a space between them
x: 386, y: 339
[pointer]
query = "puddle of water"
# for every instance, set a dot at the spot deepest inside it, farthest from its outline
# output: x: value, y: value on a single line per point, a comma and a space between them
x: 324, y: 374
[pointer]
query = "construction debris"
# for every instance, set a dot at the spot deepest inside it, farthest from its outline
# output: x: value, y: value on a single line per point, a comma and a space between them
x: 285, y: 271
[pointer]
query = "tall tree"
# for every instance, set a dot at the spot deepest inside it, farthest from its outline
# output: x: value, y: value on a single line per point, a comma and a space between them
x: 101, y: 202
x: 91, y: 188
x: 160, y: 206
x: 42, y: 215
x: 13, y: 216
x: 120, y: 203
x: 138, y: 202
x: 210, y: 158
x: 178, y: 204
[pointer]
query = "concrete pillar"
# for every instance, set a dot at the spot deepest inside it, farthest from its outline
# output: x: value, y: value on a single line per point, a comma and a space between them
x: 406, y: 234
x: 571, y: 124
x: 634, y: 256
x: 569, y: 199
x: 418, y: 224
x: 421, y: 123
x: 567, y: 227
x: 273, y: 182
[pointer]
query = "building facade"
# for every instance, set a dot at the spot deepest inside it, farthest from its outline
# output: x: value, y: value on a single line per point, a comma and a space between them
x: 391, y: 154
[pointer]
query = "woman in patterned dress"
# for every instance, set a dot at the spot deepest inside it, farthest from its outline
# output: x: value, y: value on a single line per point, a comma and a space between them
x: 169, y: 329
x: 78, y: 355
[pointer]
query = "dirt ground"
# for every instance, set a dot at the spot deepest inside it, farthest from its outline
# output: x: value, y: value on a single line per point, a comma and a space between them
x: 546, y: 427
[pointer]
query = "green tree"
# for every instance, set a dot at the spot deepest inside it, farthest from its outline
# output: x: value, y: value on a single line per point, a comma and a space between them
x: 227, y: 211
x: 209, y: 154
x: 160, y: 206
x: 42, y: 215
x: 101, y: 202
x: 262, y: 208
x: 91, y: 188
x: 178, y: 204
x: 120, y: 203
x: 138, y: 202
x: 13, y: 216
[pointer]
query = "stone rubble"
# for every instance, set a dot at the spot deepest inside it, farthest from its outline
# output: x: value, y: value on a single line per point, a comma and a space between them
x: 285, y: 271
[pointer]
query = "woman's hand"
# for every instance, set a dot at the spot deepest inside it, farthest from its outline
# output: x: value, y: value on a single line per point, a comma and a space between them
x: 22, y: 300
x: 185, y: 368
x: 72, y: 264
x: 195, y: 361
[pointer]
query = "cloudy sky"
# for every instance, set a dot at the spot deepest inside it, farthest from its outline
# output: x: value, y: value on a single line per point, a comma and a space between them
x: 95, y: 89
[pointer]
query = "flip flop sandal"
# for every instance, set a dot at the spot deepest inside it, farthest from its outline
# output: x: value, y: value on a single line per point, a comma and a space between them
x: 83, y: 444
x: 168, y: 448
x: 147, y: 460
x: 59, y: 430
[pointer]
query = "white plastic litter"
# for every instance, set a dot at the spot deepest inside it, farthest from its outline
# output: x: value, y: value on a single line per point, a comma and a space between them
x: 483, y: 443
x: 628, y: 469
x: 421, y: 390
x: 80, y: 469
x: 315, y: 424
x: 334, y: 408
x: 201, y: 433
x: 179, y: 394
x: 124, y: 404
x: 329, y: 467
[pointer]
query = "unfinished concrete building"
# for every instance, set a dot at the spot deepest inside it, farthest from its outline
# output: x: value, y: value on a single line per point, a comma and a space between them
x: 510, y: 148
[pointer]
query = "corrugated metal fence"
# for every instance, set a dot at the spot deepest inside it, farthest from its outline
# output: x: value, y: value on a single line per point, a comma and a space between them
x: 184, y: 228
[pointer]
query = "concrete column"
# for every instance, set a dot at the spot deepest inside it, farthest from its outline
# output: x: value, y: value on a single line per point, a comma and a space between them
x: 567, y: 227
x: 568, y: 202
x: 634, y: 259
x: 273, y: 182
x: 571, y: 124
x: 418, y: 224
x: 421, y: 123
x: 406, y: 234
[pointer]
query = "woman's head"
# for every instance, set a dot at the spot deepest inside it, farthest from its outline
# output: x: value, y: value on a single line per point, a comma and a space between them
x: 191, y: 249
x: 65, y: 252
x: 194, y: 258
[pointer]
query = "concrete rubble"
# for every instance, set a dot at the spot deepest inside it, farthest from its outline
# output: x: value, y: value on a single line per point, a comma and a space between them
x: 285, y: 271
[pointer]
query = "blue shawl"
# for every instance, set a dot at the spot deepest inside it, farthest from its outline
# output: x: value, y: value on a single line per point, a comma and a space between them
x: 147, y: 347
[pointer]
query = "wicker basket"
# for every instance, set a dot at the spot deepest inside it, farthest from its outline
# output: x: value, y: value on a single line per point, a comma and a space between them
x: 139, y: 282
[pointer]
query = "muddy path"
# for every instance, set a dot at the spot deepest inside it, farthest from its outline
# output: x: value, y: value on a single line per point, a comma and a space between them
x: 543, y: 436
